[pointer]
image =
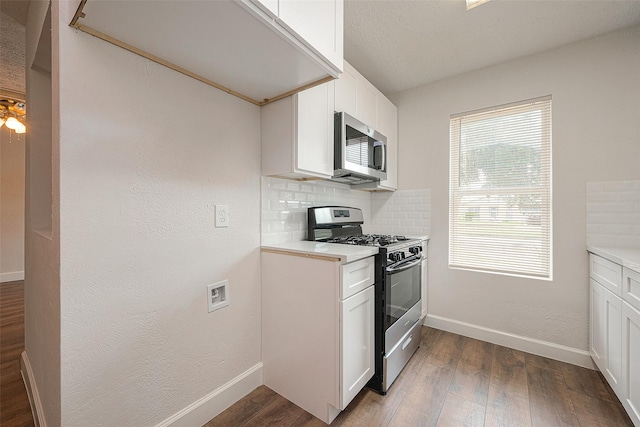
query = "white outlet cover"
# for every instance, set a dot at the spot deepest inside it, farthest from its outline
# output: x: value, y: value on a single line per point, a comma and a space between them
x: 222, y: 215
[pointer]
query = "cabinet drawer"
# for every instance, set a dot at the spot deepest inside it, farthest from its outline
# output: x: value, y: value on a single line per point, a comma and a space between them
x: 631, y: 287
x: 607, y: 273
x: 356, y: 276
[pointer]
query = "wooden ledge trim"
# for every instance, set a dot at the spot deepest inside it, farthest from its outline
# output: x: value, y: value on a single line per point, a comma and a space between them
x: 301, y: 254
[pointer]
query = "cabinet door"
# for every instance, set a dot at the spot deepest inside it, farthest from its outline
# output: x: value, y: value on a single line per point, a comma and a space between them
x: 346, y: 90
x: 596, y: 325
x: 314, y: 130
x: 357, y: 344
x: 631, y: 363
x: 318, y: 24
x: 612, y: 316
x: 388, y: 126
x: 366, y: 102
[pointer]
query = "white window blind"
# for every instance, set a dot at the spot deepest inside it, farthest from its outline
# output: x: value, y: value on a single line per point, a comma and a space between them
x: 500, y: 189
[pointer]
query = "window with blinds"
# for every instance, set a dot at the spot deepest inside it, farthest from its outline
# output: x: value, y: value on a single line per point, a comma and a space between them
x: 500, y: 190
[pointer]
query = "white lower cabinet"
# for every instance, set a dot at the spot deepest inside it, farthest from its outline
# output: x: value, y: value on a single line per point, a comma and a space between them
x: 606, y: 334
x: 357, y: 343
x: 597, y: 339
x: 317, y: 330
x: 614, y: 331
x: 631, y: 361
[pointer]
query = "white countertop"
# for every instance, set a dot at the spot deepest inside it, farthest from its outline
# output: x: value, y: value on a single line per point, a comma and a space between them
x: 345, y: 253
x: 627, y: 257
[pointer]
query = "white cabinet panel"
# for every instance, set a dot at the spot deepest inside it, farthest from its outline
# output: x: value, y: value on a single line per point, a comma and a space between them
x: 388, y: 126
x: 606, y: 334
x: 314, y: 148
x: 425, y: 279
x: 346, y: 90
x: 631, y: 364
x: 597, y: 325
x: 356, y: 276
x: 607, y: 273
x: 631, y: 287
x: 358, y: 340
x: 297, y: 134
x: 318, y: 23
x: 357, y: 97
x: 612, y: 316
x: 366, y: 102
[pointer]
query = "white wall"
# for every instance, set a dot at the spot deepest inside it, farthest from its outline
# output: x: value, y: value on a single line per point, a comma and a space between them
x: 145, y: 154
x: 596, y: 136
x: 12, y: 148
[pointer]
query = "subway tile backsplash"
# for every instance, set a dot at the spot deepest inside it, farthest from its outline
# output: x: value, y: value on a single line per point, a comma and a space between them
x: 613, y: 213
x: 285, y: 203
x: 404, y: 212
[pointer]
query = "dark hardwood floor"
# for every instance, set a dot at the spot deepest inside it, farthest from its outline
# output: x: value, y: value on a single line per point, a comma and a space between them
x: 450, y: 381
x: 14, y: 403
x: 457, y: 381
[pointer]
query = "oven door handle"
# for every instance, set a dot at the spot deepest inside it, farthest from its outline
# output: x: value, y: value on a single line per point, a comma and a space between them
x: 404, y: 266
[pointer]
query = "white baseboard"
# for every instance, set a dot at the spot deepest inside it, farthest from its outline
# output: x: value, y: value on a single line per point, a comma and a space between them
x: 210, y: 405
x: 11, y: 276
x: 32, y: 391
x: 518, y: 342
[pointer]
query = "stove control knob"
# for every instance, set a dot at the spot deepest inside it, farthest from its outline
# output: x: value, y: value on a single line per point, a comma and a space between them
x: 403, y: 255
x: 392, y: 257
x: 415, y: 249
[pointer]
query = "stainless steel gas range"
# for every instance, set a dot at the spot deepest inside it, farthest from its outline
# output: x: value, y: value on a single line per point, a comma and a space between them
x: 397, y: 288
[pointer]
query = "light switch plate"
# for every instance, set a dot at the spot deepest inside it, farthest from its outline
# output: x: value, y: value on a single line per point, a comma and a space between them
x: 222, y: 215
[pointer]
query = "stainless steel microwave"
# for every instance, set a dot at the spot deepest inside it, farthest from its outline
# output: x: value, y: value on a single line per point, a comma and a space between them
x: 360, y: 151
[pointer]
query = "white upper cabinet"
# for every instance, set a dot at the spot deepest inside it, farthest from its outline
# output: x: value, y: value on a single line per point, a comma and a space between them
x: 258, y: 50
x: 297, y: 134
x: 346, y: 90
x: 318, y: 23
x: 388, y: 126
x: 357, y: 97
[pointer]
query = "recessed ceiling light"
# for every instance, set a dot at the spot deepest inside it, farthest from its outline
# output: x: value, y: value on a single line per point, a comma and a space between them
x: 473, y: 3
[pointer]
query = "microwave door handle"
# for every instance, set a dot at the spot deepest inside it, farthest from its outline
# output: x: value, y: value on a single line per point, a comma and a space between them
x: 384, y: 157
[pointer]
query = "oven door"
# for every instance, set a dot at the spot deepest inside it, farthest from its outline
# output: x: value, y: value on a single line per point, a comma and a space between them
x: 403, y: 286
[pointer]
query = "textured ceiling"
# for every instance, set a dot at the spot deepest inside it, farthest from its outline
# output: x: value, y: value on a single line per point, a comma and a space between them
x: 13, y: 17
x: 399, y: 45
